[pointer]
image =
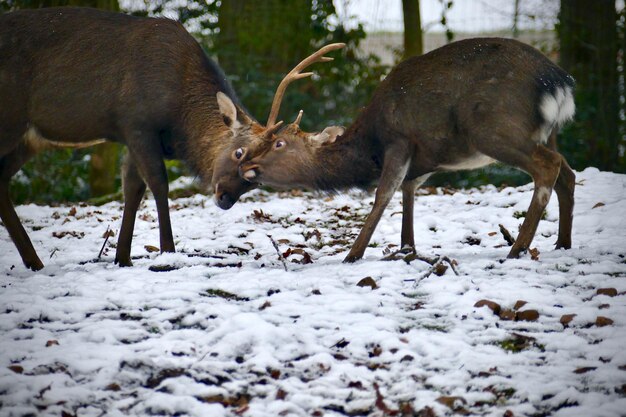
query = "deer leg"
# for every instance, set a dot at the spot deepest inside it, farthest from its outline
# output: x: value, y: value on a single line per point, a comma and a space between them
x: 9, y: 165
x: 394, y: 170
x: 564, y: 188
x: 134, y: 188
x: 149, y: 161
x: 544, y: 166
x: 407, y: 239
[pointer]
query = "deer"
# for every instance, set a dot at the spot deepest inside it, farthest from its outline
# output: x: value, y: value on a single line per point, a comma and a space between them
x: 72, y: 77
x: 462, y: 106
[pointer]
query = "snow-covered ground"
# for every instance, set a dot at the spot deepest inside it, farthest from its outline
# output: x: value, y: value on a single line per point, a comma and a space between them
x: 222, y: 329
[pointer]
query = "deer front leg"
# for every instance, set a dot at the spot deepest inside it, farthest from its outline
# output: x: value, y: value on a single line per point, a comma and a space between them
x: 395, y: 167
x: 152, y: 169
x: 144, y: 166
x: 9, y: 165
x: 407, y: 240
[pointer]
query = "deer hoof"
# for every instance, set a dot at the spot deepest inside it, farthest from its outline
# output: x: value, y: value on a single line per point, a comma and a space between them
x: 34, y: 265
x: 123, y: 262
x: 351, y: 259
x: 560, y: 245
x: 514, y: 253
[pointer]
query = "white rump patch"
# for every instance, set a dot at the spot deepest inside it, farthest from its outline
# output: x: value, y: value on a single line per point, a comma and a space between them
x: 477, y: 160
x: 556, y: 109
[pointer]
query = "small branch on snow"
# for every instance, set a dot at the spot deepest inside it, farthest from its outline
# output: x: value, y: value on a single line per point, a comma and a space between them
x: 437, y: 267
x: 106, y: 239
x: 507, y: 235
x: 280, y: 256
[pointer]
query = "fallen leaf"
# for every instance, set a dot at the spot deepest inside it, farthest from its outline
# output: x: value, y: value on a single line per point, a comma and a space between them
x: 440, y: 269
x: 566, y: 319
x: 611, y: 292
x: 600, y: 204
x: 367, y: 282
x: 453, y: 403
x: 534, y: 254
x: 16, y: 368
x: 507, y: 314
x: 519, y: 304
x: 151, y: 249
x: 493, y: 306
x: 603, y: 321
x: 527, y: 315
x: 51, y: 343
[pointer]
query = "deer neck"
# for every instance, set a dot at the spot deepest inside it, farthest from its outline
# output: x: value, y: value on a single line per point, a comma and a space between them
x: 354, y: 160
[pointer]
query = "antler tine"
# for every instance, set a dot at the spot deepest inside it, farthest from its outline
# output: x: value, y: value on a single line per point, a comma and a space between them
x: 295, y: 74
x: 297, y: 122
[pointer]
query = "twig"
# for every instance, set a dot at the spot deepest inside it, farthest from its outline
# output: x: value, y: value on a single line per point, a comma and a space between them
x: 436, y: 265
x: 280, y: 256
x: 507, y: 235
x: 106, y: 239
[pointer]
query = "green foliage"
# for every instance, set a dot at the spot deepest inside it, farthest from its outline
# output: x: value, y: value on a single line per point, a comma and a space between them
x: 52, y: 176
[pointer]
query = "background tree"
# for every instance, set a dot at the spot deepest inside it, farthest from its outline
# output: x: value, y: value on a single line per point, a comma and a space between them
x: 413, y: 38
x: 589, y: 51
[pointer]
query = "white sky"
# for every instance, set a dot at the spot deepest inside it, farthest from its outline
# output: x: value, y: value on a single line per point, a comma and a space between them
x: 465, y: 15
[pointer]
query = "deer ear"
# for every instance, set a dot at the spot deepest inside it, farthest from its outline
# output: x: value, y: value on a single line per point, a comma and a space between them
x: 326, y: 136
x: 228, y: 110
x: 232, y: 115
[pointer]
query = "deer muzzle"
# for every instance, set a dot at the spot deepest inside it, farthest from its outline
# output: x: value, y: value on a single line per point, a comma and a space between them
x: 248, y: 172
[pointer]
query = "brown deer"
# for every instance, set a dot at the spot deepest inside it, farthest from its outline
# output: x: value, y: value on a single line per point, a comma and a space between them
x: 462, y: 106
x: 71, y: 76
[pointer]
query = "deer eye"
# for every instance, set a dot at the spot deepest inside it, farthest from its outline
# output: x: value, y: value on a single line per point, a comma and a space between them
x: 279, y: 144
x: 239, y: 153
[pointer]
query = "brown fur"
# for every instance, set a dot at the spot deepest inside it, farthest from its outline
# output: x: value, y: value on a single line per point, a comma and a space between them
x: 76, y: 75
x: 458, y: 107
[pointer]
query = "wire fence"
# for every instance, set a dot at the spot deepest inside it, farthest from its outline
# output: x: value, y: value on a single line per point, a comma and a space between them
x: 531, y: 21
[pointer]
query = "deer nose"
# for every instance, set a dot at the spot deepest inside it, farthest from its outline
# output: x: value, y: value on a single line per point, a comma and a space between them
x: 248, y: 171
x: 222, y: 199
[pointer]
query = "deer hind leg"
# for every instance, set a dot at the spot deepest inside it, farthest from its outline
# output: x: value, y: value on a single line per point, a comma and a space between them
x: 394, y: 170
x: 9, y: 165
x: 134, y: 189
x: 564, y: 187
x: 543, y: 165
x: 150, y: 166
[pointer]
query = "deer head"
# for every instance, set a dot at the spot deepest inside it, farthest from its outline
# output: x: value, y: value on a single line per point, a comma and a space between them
x: 244, y: 132
x: 291, y: 158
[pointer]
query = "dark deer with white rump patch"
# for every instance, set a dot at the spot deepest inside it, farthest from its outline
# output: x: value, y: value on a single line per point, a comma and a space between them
x: 462, y: 106
x: 69, y: 76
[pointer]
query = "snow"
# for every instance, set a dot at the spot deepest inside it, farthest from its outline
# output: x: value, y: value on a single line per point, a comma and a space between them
x: 227, y: 331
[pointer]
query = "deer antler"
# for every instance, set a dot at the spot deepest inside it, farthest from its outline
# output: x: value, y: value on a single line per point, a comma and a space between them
x: 297, y: 121
x: 296, y: 74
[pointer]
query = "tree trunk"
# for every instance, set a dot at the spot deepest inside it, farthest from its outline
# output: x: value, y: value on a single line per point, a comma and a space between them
x: 589, y: 45
x: 413, y: 43
x: 259, y: 42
